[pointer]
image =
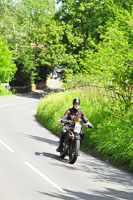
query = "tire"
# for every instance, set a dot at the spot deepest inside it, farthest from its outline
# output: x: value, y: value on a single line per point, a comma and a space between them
x: 74, y: 151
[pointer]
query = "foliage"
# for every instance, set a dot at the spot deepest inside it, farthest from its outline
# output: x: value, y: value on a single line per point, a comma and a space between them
x: 85, y: 22
x: 111, y: 61
x: 19, y: 23
x: 112, y: 135
x: 50, y: 35
x: 7, y: 67
x: 87, y: 37
x: 4, y: 91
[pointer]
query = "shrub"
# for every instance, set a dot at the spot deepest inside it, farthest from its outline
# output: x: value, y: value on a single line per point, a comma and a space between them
x: 4, y: 91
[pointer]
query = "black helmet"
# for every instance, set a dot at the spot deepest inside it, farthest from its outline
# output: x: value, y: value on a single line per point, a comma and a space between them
x: 76, y: 101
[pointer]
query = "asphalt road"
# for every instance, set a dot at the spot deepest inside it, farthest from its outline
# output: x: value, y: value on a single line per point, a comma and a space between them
x: 30, y: 167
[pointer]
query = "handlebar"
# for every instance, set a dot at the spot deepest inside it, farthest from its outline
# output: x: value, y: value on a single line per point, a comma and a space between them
x: 72, y: 123
x: 89, y: 126
x: 67, y: 121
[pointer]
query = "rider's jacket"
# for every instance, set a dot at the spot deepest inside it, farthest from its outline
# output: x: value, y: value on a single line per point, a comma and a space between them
x: 72, y: 114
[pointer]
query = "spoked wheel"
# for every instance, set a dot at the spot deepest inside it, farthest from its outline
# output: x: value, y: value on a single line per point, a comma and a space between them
x: 63, y: 152
x: 74, y: 151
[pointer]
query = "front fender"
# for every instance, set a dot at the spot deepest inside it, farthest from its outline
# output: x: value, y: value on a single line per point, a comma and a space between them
x: 77, y: 137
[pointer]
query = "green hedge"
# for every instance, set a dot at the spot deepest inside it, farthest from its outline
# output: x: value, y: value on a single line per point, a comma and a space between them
x: 112, y: 135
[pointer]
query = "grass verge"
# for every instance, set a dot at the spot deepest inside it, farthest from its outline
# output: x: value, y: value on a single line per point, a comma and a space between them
x: 4, y: 91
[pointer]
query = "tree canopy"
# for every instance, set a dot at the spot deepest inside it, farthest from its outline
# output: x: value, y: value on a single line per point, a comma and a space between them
x: 7, y: 67
x: 87, y: 37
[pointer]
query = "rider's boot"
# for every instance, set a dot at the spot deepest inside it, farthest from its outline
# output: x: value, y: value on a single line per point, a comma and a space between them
x: 59, y: 148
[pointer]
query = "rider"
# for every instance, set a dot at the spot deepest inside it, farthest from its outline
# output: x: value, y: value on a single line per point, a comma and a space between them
x: 72, y: 114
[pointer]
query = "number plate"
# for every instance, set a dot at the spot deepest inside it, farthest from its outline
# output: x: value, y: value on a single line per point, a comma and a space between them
x: 77, y: 128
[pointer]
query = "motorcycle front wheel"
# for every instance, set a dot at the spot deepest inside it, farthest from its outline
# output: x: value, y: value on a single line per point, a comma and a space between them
x: 74, y: 151
x: 63, y: 152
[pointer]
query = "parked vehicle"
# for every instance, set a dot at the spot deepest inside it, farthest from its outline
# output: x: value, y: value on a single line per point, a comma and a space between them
x: 55, y: 75
x: 72, y: 138
x: 57, y: 72
x: 59, y: 69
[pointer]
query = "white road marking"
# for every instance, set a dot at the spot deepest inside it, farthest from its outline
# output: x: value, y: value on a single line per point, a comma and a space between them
x: 6, y: 146
x: 44, y: 177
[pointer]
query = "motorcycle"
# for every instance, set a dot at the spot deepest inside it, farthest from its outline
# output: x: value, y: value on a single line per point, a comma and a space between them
x: 72, y: 137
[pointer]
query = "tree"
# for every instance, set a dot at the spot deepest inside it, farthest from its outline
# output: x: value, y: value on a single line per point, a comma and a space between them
x: 19, y: 23
x: 7, y: 67
x: 85, y: 22
x: 112, y: 63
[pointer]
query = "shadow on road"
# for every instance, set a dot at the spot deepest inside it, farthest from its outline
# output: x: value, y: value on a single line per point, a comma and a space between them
x: 41, y: 139
x: 37, y: 94
x: 52, y: 156
x: 107, y: 194
x: 106, y: 171
x: 74, y: 196
x: 49, y: 155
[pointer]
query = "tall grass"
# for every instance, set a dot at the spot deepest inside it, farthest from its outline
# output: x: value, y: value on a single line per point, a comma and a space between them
x: 112, y: 135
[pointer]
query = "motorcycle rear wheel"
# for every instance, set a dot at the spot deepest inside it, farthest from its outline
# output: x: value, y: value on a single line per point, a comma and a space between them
x: 74, y: 151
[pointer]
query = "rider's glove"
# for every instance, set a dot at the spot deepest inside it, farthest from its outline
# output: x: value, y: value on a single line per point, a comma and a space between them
x: 60, y: 121
x: 89, y: 125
